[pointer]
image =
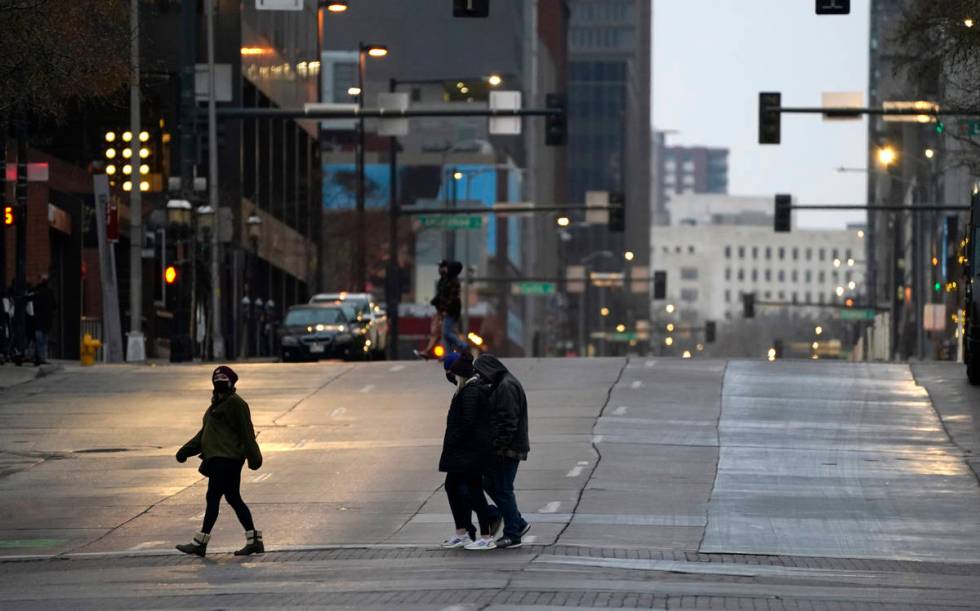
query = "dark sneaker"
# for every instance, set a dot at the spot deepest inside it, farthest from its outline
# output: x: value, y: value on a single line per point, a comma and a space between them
x: 525, y: 528
x: 508, y: 542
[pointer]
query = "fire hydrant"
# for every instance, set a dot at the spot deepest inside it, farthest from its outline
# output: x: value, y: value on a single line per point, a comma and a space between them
x: 90, y: 347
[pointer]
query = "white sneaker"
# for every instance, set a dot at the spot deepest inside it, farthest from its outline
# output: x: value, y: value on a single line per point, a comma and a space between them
x: 481, y: 545
x: 457, y: 541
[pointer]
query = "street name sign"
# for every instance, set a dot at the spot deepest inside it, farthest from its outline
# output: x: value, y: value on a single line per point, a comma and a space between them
x: 861, y: 314
x: 533, y: 288
x: 447, y: 221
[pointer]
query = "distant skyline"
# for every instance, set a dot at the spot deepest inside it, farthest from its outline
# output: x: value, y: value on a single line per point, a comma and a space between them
x: 711, y: 58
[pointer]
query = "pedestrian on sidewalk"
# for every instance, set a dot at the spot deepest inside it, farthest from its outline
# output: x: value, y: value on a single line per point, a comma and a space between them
x: 224, y: 443
x: 465, y: 449
x: 43, y: 306
x: 509, y: 442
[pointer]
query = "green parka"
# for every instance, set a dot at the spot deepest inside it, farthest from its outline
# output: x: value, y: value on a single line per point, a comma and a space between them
x: 227, y: 432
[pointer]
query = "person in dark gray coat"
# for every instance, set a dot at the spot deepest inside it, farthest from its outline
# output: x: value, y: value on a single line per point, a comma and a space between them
x: 509, y: 443
x: 465, y: 450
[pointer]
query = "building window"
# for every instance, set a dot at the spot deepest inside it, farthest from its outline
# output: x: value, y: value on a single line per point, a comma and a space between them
x: 808, y: 296
x: 728, y: 252
x: 782, y: 276
x: 821, y: 299
x: 741, y: 252
x: 821, y: 254
x: 795, y: 300
x: 821, y: 277
x: 796, y: 254
x: 834, y: 275
x: 782, y: 295
x: 794, y: 276
x: 690, y: 250
x: 809, y: 254
x: 689, y: 273
x: 767, y: 295
x: 728, y: 296
x: 847, y: 276
x: 808, y: 276
x: 728, y: 273
x: 847, y: 254
x: 741, y: 275
x: 833, y: 254
x: 768, y: 275
x: 768, y: 253
x: 689, y: 294
x: 677, y: 249
x: 755, y: 253
x: 782, y: 253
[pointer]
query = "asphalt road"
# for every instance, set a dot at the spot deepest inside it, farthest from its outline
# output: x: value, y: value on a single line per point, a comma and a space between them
x: 652, y: 483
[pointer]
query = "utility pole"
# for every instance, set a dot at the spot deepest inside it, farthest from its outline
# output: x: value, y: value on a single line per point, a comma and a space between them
x: 360, y: 258
x: 135, y: 348
x: 217, y: 339
x: 393, y: 275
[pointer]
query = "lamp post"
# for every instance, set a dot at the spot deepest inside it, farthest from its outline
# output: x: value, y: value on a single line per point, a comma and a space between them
x: 604, y: 311
x: 360, y: 260
x: 254, y: 224
x: 180, y: 216
x: 205, y: 225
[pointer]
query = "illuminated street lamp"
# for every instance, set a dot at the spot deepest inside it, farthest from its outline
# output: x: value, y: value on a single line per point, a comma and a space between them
x: 836, y: 262
x: 604, y: 311
x: 887, y: 155
x: 818, y: 330
x: 669, y: 341
x: 929, y: 153
x: 670, y: 308
x: 495, y: 80
x: 968, y: 22
x: 670, y: 327
x: 628, y: 255
x: 563, y: 221
x: 353, y: 91
x: 335, y: 6
x: 620, y: 328
x: 839, y: 291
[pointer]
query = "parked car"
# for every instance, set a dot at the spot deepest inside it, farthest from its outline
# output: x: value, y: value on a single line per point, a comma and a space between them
x: 312, y: 332
x: 369, y: 320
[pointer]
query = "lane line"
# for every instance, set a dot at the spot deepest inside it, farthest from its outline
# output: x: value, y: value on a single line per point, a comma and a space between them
x: 575, y: 472
x: 621, y: 410
x: 583, y: 463
x: 649, y: 363
x: 145, y: 545
x: 636, y: 384
x: 340, y: 411
x: 368, y: 388
x: 261, y: 478
x: 551, y: 507
x: 397, y: 368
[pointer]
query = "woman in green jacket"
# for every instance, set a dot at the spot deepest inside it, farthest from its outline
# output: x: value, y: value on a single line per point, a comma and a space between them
x: 224, y: 443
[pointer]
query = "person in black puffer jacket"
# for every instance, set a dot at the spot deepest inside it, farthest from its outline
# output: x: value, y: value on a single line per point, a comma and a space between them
x: 465, y: 450
x: 509, y: 442
x: 450, y: 304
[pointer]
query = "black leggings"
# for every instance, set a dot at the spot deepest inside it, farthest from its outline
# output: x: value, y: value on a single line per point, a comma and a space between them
x: 465, y: 493
x: 225, y: 479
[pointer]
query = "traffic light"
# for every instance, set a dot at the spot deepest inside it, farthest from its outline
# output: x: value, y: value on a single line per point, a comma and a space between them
x: 617, y: 213
x: 769, y: 103
x: 8, y: 215
x: 783, y: 215
x: 556, y: 126
x: 170, y: 274
x: 748, y: 305
x: 471, y: 8
x: 660, y: 285
x: 709, y: 332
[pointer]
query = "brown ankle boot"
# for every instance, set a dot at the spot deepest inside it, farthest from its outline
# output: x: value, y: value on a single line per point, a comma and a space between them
x: 198, y: 545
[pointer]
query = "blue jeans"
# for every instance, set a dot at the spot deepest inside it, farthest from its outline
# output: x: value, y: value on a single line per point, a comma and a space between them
x: 450, y: 339
x: 40, y: 345
x: 498, y: 481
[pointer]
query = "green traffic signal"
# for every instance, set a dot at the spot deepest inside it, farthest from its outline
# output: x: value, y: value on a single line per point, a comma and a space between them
x: 938, y: 287
x: 940, y: 127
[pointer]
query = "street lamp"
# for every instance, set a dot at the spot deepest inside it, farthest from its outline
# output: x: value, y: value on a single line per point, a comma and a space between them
x: 628, y: 255
x: 887, y: 155
x: 363, y: 51
x: 670, y: 308
x: 495, y: 80
x: 563, y: 221
x: 335, y: 6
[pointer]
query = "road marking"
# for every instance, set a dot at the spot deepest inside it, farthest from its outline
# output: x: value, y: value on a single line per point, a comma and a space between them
x: 636, y: 384
x: 368, y: 388
x: 551, y: 507
x: 598, y: 438
x: 145, y: 545
x: 340, y: 411
x: 397, y: 368
x: 261, y: 478
x: 583, y: 463
x: 621, y: 410
x: 649, y: 363
x: 575, y: 472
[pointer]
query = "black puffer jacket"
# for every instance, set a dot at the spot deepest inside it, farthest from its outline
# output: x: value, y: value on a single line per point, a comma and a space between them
x: 508, y: 408
x: 466, y: 445
x: 448, y: 291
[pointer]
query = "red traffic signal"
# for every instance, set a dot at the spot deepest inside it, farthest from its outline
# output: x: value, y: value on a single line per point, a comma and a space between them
x: 170, y: 274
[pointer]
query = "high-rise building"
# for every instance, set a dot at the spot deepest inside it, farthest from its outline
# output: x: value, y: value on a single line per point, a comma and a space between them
x: 682, y: 169
x: 446, y: 62
x: 609, y: 148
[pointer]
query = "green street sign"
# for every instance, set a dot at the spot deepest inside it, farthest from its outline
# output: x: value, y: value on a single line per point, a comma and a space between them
x: 534, y: 288
x: 626, y: 336
x: 849, y: 314
x: 451, y: 221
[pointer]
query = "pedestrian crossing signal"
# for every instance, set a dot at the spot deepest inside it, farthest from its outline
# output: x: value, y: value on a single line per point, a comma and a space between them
x: 8, y: 215
x: 170, y: 274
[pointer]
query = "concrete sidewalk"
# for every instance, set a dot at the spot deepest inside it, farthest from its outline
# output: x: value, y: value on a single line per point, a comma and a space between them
x: 12, y: 375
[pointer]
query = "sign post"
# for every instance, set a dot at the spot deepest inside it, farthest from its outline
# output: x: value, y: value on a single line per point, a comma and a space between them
x: 111, y: 328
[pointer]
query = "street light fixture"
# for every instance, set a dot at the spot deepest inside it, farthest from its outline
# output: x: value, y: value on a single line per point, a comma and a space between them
x: 179, y: 212
x: 495, y: 80
x: 604, y: 311
x: 563, y: 221
x: 620, y: 328
x: 929, y: 153
x: 335, y: 6
x: 887, y: 155
x: 254, y: 223
x: 376, y: 50
x: 818, y: 330
x: 628, y: 255
x: 968, y: 22
x: 670, y: 308
x: 353, y: 91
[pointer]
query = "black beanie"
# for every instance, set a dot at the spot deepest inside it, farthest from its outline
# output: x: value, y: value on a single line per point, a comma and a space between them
x: 224, y: 378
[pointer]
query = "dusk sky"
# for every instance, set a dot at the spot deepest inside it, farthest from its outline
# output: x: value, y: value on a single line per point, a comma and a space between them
x: 706, y: 87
